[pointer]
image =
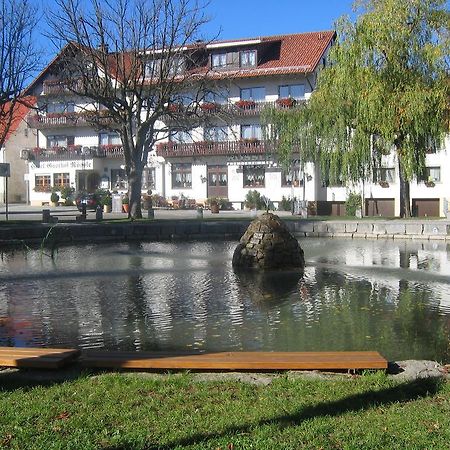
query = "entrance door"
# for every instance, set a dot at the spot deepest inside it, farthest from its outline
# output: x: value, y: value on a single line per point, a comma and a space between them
x: 87, y: 181
x: 218, y: 181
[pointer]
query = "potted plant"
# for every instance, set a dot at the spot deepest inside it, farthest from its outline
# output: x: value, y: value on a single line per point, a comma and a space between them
x: 54, y: 198
x: 214, y: 205
x: 106, y: 201
x: 125, y: 204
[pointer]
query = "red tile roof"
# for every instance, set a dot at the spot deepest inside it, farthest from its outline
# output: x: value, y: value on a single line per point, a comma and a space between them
x: 20, y: 111
x: 284, y: 54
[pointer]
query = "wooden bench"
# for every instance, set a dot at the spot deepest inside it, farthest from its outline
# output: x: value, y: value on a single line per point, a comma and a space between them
x: 36, y: 358
x: 249, y: 361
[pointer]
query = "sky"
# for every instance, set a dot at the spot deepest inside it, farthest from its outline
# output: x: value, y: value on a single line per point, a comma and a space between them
x: 252, y: 18
x: 233, y: 19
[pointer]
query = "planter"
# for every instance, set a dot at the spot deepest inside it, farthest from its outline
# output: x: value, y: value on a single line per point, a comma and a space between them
x: 214, y: 208
x: 126, y: 208
x: 106, y: 208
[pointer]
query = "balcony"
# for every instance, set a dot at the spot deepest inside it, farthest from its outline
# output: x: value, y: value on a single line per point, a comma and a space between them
x: 58, y: 87
x: 204, y: 148
x: 241, y: 108
x: 73, y: 152
x: 61, y: 120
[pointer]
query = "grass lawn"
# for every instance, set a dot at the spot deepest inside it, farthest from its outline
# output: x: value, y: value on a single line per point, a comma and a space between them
x: 119, y: 411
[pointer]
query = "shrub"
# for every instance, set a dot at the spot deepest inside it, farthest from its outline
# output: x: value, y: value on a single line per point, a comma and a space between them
x: 67, y: 192
x: 254, y: 200
x: 352, y: 204
x: 54, y: 198
x: 285, y: 204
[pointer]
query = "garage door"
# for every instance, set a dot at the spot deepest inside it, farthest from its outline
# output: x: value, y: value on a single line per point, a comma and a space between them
x: 425, y: 207
x: 384, y: 207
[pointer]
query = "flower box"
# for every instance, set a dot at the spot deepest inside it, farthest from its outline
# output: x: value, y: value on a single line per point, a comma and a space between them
x: 384, y: 184
x: 245, y: 104
x: 209, y: 107
x: 175, y: 107
x: 286, y: 102
x: 429, y: 183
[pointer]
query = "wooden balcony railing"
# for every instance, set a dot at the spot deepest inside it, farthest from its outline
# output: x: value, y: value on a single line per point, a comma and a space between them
x: 60, y: 120
x: 57, y: 87
x: 241, y: 108
x: 73, y: 152
x: 205, y: 148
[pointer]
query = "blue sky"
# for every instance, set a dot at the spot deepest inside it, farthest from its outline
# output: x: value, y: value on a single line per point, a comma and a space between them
x: 251, y: 18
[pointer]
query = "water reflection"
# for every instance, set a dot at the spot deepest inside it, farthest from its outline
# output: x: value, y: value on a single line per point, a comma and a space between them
x: 354, y: 295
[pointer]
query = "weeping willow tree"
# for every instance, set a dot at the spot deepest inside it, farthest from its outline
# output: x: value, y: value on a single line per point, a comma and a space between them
x: 289, y: 133
x: 385, y: 89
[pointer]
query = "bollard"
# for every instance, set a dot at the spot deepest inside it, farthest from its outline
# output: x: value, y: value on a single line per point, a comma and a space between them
x: 200, y: 213
x: 45, y: 216
x: 150, y: 213
x: 83, y: 209
x: 98, y: 213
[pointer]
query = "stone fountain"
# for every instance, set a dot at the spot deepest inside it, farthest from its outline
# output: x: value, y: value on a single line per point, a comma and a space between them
x: 267, y: 244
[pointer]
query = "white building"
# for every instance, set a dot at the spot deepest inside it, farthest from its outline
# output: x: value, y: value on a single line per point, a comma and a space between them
x: 227, y: 158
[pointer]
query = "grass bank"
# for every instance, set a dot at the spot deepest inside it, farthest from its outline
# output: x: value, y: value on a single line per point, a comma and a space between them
x: 119, y: 411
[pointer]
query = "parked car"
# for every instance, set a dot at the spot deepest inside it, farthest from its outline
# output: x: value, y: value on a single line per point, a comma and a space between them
x: 89, y: 199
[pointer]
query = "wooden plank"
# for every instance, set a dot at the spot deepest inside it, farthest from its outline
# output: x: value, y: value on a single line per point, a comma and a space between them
x: 36, y: 358
x: 235, y: 360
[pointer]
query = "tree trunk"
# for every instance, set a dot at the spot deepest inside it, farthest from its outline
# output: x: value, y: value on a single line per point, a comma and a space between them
x: 405, y: 197
x: 134, y: 191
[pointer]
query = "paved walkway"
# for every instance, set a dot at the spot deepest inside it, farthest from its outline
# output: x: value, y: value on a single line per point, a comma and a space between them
x: 24, y: 212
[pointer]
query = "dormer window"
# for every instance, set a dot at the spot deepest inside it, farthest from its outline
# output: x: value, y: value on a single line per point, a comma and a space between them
x: 247, y: 58
x: 219, y: 60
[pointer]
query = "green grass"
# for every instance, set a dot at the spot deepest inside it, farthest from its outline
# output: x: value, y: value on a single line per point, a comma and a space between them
x: 117, y: 411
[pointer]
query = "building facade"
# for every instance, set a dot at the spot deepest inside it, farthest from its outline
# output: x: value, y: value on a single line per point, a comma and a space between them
x: 20, y: 135
x: 227, y: 156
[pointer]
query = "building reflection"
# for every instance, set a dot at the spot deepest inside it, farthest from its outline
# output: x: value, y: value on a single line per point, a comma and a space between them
x: 354, y: 295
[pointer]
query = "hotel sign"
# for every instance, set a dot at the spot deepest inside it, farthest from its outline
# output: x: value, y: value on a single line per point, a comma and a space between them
x: 87, y: 164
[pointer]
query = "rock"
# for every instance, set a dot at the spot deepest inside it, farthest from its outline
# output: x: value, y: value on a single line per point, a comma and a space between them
x: 268, y: 244
x: 413, y: 370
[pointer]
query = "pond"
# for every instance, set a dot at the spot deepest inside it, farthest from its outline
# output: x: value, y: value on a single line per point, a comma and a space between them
x: 385, y: 295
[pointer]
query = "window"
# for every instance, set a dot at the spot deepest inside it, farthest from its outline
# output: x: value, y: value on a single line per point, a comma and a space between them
x: 152, y: 68
x: 148, y: 178
x: 119, y: 179
x: 257, y: 94
x: 181, y: 176
x: 247, y: 58
x: 385, y: 174
x: 61, y: 180
x: 432, y: 174
x: 292, y: 90
x: 60, y: 107
x: 292, y: 177
x: 215, y: 134
x: 176, y: 65
x: 217, y: 176
x: 254, y: 176
x: 219, y: 60
x: 251, y: 131
x: 109, y: 139
x: 181, y: 136
x: 217, y: 97
x: 59, y: 141
x: 42, y: 183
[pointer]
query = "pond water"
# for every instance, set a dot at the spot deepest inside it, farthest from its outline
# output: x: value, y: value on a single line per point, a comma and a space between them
x: 383, y: 295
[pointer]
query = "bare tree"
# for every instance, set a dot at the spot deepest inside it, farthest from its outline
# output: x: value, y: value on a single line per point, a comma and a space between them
x: 137, y: 61
x: 19, y: 58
